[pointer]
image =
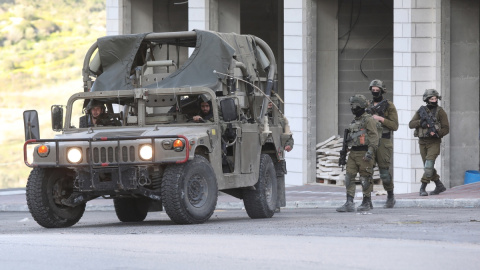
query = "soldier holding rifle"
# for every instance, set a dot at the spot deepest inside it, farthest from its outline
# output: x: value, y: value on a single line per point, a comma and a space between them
x: 431, y: 124
x: 385, y: 113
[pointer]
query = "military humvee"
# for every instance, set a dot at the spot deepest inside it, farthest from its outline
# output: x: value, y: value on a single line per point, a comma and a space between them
x: 150, y: 154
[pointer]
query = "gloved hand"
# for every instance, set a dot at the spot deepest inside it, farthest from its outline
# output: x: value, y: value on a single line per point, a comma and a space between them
x: 368, y: 156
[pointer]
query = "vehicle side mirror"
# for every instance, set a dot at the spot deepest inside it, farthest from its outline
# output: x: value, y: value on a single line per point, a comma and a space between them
x: 31, y: 125
x: 57, y: 117
x: 229, y: 109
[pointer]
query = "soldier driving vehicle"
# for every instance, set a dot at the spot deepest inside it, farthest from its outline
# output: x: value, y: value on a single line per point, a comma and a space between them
x: 159, y: 158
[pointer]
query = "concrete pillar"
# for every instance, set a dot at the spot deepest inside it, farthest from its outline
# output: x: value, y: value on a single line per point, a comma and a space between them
x: 199, y: 14
x: 327, y: 70
x: 297, y: 103
x: 417, y: 66
x: 114, y: 18
x: 142, y: 16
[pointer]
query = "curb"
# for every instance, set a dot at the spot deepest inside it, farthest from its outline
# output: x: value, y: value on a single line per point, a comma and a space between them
x: 378, y: 204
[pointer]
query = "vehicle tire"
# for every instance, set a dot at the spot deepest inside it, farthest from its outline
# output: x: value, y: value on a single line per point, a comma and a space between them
x: 190, y: 191
x: 262, y: 201
x: 45, y: 189
x: 131, y: 209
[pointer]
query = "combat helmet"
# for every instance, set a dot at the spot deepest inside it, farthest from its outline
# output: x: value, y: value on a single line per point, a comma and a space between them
x: 378, y: 83
x: 430, y: 93
x: 358, y: 101
x: 95, y: 103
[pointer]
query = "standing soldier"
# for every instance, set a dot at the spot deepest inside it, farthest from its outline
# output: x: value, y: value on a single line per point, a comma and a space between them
x: 431, y: 124
x: 363, y: 142
x: 384, y: 112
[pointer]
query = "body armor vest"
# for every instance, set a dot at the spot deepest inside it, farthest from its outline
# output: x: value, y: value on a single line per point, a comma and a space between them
x: 358, y: 131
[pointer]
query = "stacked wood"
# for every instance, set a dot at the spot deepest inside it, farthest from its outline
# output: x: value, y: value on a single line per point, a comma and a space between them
x: 328, y: 171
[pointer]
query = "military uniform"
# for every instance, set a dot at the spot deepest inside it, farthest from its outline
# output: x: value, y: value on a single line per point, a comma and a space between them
x: 386, y: 109
x: 430, y: 145
x: 363, y: 143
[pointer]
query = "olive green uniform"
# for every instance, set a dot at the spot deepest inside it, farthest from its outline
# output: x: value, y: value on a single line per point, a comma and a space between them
x: 430, y: 146
x: 384, y: 152
x: 367, y: 126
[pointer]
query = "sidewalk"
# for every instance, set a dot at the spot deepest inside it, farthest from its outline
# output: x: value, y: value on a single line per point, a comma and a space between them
x: 306, y: 196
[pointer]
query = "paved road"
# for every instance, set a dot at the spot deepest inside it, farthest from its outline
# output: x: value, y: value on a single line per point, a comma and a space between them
x: 402, y: 238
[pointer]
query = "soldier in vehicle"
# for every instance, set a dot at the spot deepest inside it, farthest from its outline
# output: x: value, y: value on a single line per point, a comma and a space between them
x: 431, y: 125
x: 384, y: 112
x: 96, y: 116
x: 363, y: 143
x: 205, y: 114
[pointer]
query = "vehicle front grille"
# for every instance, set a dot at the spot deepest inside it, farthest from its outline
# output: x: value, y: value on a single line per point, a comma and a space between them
x: 110, y: 154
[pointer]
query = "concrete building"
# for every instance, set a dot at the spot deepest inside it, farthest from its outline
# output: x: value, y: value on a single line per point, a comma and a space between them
x: 328, y: 50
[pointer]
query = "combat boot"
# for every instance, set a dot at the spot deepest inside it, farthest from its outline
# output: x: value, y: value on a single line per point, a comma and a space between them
x: 349, y: 206
x: 365, y: 206
x: 390, y: 200
x: 439, y: 188
x: 422, y: 190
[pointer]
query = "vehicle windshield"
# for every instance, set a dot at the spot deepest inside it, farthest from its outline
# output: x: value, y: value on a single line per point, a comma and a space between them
x: 157, y: 109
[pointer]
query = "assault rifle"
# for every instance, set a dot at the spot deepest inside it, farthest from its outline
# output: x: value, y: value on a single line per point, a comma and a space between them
x: 429, y: 119
x: 378, y: 109
x: 343, y: 153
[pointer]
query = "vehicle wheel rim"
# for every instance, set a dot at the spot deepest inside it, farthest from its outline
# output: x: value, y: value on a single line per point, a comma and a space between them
x: 197, y: 191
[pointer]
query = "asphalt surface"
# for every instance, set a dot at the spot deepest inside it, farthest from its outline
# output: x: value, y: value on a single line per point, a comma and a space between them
x: 306, y: 196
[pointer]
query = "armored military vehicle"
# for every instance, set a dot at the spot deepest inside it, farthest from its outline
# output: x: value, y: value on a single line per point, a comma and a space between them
x: 139, y: 134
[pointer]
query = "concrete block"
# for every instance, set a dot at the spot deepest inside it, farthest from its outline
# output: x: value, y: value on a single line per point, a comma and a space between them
x: 293, y: 42
x: 400, y: 102
x: 423, y: 44
x: 294, y: 164
x: 398, y: 30
x: 398, y: 59
x: 402, y: 132
x: 294, y: 178
x: 423, y: 14
x: 292, y: 5
x: 112, y: 13
x: 293, y: 56
x: 401, y: 45
x: 196, y: 4
x: 408, y: 30
x: 293, y: 15
x: 423, y: 74
x: 293, y: 69
x: 112, y: 27
x: 408, y: 59
x: 425, y: 4
x: 401, y: 160
x: 294, y: 110
x: 420, y: 89
x: 425, y: 59
x: 401, y: 15
x: 294, y: 97
x: 196, y: 14
x: 292, y: 28
x: 297, y: 151
x: 425, y: 30
x: 401, y: 73
x: 293, y: 83
x: 201, y: 25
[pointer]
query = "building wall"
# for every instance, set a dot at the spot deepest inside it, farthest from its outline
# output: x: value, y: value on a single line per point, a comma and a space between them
x: 464, y: 89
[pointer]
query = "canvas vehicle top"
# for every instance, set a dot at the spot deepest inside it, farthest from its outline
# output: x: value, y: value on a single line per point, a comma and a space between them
x: 157, y: 128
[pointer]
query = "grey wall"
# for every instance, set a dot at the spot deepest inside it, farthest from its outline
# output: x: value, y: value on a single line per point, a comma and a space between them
x: 170, y: 17
x: 370, y: 24
x: 464, y: 89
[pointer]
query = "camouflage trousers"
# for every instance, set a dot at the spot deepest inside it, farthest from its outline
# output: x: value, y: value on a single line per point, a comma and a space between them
x: 356, y: 164
x: 429, y: 152
x: 383, y: 158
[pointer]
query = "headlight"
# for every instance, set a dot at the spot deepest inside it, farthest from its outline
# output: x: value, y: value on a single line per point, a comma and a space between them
x: 74, y: 155
x: 146, y: 152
